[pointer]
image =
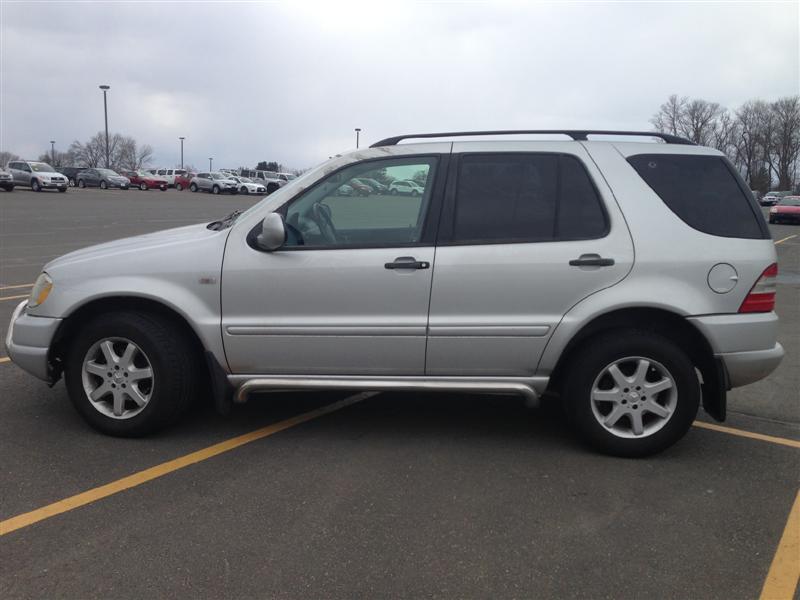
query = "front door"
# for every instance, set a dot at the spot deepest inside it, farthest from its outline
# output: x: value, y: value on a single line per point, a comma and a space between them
x: 348, y: 293
x: 526, y: 234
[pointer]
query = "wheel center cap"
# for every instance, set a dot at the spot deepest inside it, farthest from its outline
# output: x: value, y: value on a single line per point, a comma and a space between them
x: 118, y: 377
x: 634, y: 395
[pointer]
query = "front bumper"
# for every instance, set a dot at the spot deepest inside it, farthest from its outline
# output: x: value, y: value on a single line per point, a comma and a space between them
x: 746, y: 343
x: 54, y: 184
x: 28, y: 341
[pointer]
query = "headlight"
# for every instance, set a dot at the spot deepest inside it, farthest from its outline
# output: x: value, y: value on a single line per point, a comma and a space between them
x: 41, y: 290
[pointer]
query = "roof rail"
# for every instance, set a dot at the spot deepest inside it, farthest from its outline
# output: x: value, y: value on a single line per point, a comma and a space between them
x: 577, y: 135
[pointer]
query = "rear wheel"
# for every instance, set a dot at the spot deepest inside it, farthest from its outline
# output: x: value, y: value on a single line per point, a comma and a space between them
x: 103, y: 185
x: 130, y: 374
x: 631, y: 393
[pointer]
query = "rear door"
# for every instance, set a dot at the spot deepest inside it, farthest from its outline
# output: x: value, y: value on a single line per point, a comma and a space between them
x: 528, y: 230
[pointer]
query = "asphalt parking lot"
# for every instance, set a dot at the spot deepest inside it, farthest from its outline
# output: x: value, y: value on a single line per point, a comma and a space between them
x: 385, y: 495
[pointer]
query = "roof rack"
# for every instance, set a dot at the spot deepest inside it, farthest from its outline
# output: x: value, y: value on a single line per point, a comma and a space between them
x: 577, y: 135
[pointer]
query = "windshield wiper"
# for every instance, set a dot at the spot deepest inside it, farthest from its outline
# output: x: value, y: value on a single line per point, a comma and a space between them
x: 225, y: 222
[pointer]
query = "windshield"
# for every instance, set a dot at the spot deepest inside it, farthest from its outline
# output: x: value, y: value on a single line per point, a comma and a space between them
x: 107, y: 172
x: 245, y: 180
x: 790, y: 201
x: 218, y: 176
x: 41, y: 167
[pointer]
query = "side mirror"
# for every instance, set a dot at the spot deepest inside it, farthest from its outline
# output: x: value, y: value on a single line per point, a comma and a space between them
x: 273, y: 233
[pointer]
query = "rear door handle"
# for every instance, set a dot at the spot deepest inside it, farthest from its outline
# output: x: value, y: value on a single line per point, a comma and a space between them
x: 591, y: 260
x: 407, y: 262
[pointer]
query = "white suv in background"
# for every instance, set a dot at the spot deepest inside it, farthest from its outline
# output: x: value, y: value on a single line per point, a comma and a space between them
x: 169, y: 174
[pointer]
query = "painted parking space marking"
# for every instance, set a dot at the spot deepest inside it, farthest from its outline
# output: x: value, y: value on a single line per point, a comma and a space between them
x: 136, y: 479
x: 4, y: 359
x: 14, y: 297
x: 784, y: 572
x: 16, y: 287
x: 748, y: 434
x: 786, y: 238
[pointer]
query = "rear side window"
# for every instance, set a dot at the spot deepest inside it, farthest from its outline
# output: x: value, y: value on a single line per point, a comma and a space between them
x: 536, y: 197
x: 704, y: 191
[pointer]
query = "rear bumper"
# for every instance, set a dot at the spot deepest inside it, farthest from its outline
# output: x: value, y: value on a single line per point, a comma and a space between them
x: 746, y: 367
x: 746, y: 343
x: 28, y: 341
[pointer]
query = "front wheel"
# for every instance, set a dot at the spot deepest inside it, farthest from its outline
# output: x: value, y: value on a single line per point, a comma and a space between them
x: 243, y: 189
x: 215, y: 189
x: 179, y: 187
x: 631, y: 393
x: 62, y: 190
x: 143, y: 186
x: 81, y: 183
x: 36, y: 186
x: 130, y: 373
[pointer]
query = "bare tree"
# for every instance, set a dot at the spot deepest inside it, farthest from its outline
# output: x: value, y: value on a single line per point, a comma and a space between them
x: 61, y: 159
x: 699, y: 121
x: 785, y: 146
x: 670, y: 115
x: 123, y: 151
x: 131, y: 156
x: 90, y: 154
x: 751, y: 147
x: 6, y: 157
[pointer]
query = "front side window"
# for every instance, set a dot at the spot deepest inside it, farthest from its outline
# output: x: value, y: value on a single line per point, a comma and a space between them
x: 342, y: 212
x: 535, y: 197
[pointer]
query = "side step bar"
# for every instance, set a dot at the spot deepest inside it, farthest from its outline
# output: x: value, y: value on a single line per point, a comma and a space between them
x: 409, y: 384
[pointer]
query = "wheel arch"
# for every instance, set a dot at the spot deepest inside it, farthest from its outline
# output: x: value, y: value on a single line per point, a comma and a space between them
x: 668, y: 324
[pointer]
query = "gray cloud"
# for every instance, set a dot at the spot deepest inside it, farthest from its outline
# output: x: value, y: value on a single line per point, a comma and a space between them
x: 289, y: 82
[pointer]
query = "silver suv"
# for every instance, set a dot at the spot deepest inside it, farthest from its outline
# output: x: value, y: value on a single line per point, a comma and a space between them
x: 216, y: 183
x: 634, y: 280
x: 37, y: 175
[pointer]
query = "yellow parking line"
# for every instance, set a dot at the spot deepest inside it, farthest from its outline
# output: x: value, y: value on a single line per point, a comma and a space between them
x: 16, y: 287
x: 784, y: 572
x: 786, y: 238
x: 4, y: 359
x: 14, y: 297
x: 109, y: 489
x: 748, y: 434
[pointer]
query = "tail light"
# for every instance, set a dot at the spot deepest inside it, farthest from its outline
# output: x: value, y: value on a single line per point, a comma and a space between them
x: 762, y: 295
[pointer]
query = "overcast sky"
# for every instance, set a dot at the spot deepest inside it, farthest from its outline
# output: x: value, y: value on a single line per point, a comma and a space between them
x: 289, y: 81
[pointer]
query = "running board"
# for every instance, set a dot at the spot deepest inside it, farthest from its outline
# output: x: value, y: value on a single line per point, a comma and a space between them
x: 430, y: 384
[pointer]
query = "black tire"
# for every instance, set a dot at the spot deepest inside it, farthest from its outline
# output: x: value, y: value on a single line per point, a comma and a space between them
x: 243, y: 189
x: 273, y: 187
x: 143, y: 186
x: 215, y: 189
x: 592, y: 359
x: 71, y: 182
x: 62, y: 190
x: 393, y: 192
x: 103, y: 185
x: 36, y: 186
x: 81, y: 183
x: 193, y: 187
x: 179, y: 187
x: 771, y: 219
x: 171, y: 358
x: 8, y: 188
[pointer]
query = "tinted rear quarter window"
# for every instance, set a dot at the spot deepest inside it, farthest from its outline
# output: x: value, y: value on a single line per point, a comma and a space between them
x: 704, y: 192
x: 525, y: 197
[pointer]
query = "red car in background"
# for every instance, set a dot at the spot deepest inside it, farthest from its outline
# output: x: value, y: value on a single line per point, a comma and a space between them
x: 145, y: 180
x: 787, y: 210
x: 182, y: 181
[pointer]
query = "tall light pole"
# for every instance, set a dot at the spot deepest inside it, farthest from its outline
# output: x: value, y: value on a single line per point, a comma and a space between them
x: 53, y: 151
x: 358, y: 131
x: 181, y: 139
x: 210, y: 160
x: 105, y: 88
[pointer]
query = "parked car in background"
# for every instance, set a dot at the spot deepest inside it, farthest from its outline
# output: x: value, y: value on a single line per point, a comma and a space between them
x: 36, y: 175
x: 379, y: 187
x: 182, y: 181
x: 102, y: 178
x: 360, y: 188
x: 71, y: 174
x: 771, y: 198
x: 344, y: 190
x: 214, y: 182
x: 286, y: 176
x: 145, y: 180
x: 406, y: 187
x: 269, y: 179
x: 787, y: 210
x: 170, y: 174
x: 248, y: 186
x: 6, y: 181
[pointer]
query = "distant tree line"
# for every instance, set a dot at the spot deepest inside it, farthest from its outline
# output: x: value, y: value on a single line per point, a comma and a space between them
x: 762, y: 139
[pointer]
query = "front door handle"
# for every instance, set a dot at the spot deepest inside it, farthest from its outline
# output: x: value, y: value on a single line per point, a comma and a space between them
x: 591, y: 260
x: 407, y: 262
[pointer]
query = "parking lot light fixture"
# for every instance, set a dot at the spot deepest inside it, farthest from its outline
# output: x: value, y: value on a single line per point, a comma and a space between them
x: 181, y: 138
x: 53, y: 151
x: 358, y: 132
x: 210, y: 161
x: 105, y: 89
